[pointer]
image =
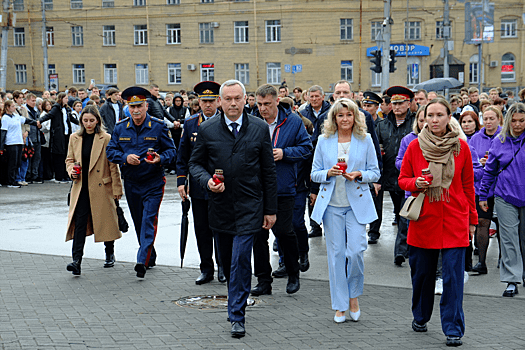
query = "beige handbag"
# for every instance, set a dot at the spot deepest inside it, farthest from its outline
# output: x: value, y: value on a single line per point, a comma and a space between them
x: 412, y: 207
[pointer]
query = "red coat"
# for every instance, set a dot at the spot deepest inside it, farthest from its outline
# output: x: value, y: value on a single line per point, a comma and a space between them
x: 441, y: 224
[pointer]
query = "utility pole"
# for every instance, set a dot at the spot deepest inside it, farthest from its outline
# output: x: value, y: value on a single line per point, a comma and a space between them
x: 484, y: 7
x: 44, y: 46
x: 385, y: 63
x: 3, y: 53
x: 446, y: 36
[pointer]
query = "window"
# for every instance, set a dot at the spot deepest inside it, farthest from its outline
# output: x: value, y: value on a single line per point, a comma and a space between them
x: 174, y: 73
x: 474, y: 70
x: 76, y: 4
x: 21, y: 73
x: 173, y: 33
x: 273, y: 73
x: 508, y: 72
x: 240, y: 32
x: 242, y: 73
x: 141, y: 74
x: 439, y: 29
x: 18, y: 5
x: 346, y: 29
x: 376, y: 29
x: 206, y: 33
x: 376, y: 79
x: 206, y: 1
x: 51, y: 69
x: 139, y: 2
x: 207, y: 72
x: 108, y: 3
x: 108, y: 35
x: 110, y: 73
x: 273, y: 31
x: 414, y: 71
x: 172, y: 2
x: 50, y: 36
x: 20, y: 36
x: 508, y: 28
x: 79, y: 74
x: 347, y: 71
x: 77, y: 35
x: 48, y: 4
x: 412, y: 30
x: 141, y: 34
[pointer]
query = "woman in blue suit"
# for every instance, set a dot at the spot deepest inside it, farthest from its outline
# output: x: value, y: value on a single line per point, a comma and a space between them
x: 344, y: 203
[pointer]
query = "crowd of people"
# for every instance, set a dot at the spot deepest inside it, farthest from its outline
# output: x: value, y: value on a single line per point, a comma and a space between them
x: 335, y: 155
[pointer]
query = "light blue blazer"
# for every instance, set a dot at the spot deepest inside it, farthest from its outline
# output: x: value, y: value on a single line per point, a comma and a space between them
x: 361, y: 157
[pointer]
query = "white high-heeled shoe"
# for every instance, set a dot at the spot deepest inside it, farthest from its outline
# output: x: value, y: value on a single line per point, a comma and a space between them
x: 355, y: 315
x: 339, y: 319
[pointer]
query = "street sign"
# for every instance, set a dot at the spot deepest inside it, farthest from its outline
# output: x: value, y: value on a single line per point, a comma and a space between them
x: 298, y: 68
x: 53, y: 82
x: 415, y: 71
x: 294, y: 69
x: 287, y: 68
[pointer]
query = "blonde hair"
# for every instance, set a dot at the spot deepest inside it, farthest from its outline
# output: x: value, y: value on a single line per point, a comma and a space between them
x: 497, y: 111
x: 330, y: 125
x: 506, y: 130
x: 415, y: 126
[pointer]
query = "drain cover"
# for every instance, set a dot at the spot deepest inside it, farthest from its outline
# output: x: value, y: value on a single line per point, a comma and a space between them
x: 209, y: 302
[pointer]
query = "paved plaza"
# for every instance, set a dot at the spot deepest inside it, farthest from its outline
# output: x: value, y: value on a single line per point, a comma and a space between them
x: 42, y: 306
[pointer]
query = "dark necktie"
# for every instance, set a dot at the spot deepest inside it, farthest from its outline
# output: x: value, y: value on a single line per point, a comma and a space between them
x: 234, y: 129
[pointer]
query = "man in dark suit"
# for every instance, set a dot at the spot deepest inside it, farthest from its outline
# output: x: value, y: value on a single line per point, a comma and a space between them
x: 239, y: 145
x: 111, y: 111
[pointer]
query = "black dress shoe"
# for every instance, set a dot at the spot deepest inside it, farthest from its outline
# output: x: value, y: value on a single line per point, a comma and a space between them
x: 304, y: 262
x: 511, y: 292
x: 399, y: 260
x: 151, y: 264
x: 141, y: 270
x: 419, y: 327
x: 204, y: 278
x: 74, y: 267
x: 262, y: 289
x: 372, y: 240
x: 476, y: 251
x: 238, y: 330
x: 275, y: 246
x: 454, y: 341
x: 110, y: 260
x: 480, y: 268
x: 315, y: 232
x: 293, y: 283
x: 220, y: 275
x: 280, y: 272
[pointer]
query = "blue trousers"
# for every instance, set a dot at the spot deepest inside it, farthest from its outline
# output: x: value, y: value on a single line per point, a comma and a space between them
x: 144, y: 203
x: 345, y: 245
x: 423, y: 263
x: 235, y: 252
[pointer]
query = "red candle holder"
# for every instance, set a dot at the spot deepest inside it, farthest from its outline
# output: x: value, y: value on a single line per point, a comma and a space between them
x: 151, y: 154
x: 487, y: 155
x: 427, y: 175
x: 77, y: 168
x: 341, y: 163
x: 218, y: 177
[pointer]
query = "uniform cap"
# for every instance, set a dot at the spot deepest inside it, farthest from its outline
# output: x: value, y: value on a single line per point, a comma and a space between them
x: 371, y: 97
x: 135, y: 95
x: 207, y: 90
x: 399, y: 94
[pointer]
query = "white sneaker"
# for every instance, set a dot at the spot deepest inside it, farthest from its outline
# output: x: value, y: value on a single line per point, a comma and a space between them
x: 23, y: 183
x: 465, y: 277
x: 439, y: 287
x: 13, y: 186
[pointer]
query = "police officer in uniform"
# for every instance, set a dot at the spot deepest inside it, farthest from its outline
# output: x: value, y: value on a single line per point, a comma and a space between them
x: 208, y: 92
x: 143, y: 178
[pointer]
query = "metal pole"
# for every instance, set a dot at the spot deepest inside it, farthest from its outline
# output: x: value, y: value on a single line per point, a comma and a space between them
x: 446, y: 32
x: 3, y: 55
x: 44, y: 47
x: 385, y: 61
x: 480, y: 48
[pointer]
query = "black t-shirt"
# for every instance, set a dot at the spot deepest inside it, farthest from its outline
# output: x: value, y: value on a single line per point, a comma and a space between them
x: 87, y: 145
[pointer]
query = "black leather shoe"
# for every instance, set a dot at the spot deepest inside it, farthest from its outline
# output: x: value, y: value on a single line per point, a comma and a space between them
x: 419, y: 327
x: 204, y: 278
x: 220, y: 275
x: 372, y: 239
x: 315, y: 232
x: 141, y: 270
x: 262, y: 289
x: 151, y: 264
x: 238, y: 330
x: 399, y: 260
x: 280, y: 272
x: 275, y: 246
x: 304, y: 262
x: 480, y: 268
x: 293, y: 283
x: 511, y: 292
x: 476, y: 251
x: 74, y: 267
x: 454, y: 341
x: 110, y: 260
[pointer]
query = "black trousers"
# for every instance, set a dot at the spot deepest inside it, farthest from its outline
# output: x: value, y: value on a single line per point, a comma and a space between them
x: 204, y: 235
x: 59, y: 165
x: 82, y: 216
x: 283, y: 230
x: 46, y: 164
x: 397, y: 199
x: 14, y: 160
x: 378, y: 204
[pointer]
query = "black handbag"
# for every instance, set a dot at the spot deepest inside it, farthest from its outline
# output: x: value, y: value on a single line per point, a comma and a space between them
x: 122, y: 223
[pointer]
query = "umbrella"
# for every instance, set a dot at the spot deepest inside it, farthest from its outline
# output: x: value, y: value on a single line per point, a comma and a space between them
x: 184, y: 225
x: 122, y: 223
x: 437, y: 84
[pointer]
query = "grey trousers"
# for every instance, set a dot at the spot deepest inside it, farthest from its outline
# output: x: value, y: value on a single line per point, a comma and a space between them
x: 512, y: 238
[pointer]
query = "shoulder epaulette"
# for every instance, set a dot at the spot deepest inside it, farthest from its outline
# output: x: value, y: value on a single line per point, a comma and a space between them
x: 157, y: 120
x: 123, y: 120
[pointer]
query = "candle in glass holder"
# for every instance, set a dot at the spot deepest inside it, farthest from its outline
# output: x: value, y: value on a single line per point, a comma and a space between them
x: 427, y: 175
x: 218, y: 177
x: 487, y: 155
x: 341, y: 163
x: 151, y: 154
x: 77, y: 168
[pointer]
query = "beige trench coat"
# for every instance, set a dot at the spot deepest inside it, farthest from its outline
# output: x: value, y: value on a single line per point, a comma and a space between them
x: 104, y: 184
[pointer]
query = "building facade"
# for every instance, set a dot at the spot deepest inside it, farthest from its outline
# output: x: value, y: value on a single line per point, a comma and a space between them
x: 177, y: 43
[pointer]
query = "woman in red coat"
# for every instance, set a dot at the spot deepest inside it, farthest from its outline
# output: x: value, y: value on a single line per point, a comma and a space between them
x: 446, y: 222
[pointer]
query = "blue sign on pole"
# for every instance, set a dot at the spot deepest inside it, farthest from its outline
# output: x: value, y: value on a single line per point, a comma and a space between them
x: 294, y: 69
x: 401, y: 50
x: 287, y: 68
x: 298, y: 68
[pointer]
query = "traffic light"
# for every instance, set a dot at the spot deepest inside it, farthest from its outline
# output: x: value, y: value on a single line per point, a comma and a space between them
x: 376, y: 61
x: 393, y: 61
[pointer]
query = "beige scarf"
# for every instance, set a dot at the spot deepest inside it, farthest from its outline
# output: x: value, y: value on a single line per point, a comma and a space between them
x: 439, y: 151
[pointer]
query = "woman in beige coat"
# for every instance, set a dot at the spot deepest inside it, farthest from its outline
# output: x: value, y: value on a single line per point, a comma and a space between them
x: 92, y: 209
